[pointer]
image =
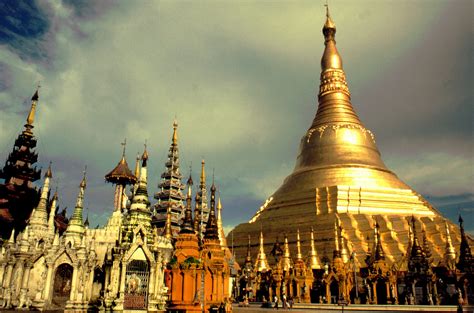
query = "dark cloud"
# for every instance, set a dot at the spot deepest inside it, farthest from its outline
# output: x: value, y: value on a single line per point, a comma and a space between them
x: 22, y: 27
x: 89, y: 9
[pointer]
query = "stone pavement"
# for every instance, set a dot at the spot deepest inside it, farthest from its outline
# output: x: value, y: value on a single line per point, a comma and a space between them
x: 330, y: 308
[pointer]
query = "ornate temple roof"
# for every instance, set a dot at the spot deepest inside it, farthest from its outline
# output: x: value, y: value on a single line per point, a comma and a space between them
x: 121, y: 174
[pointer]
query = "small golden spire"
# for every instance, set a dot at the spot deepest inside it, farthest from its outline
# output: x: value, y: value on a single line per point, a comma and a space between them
x: 286, y: 259
x: 83, y: 181
x: 203, y: 171
x: 329, y: 22
x: 337, y: 252
x: 137, y: 166
x: 248, y: 258
x: 331, y: 58
x: 314, y: 262
x: 219, y: 205
x: 49, y: 174
x: 261, y: 265
x: 145, y: 153
x: 31, y: 115
x: 175, y: 132
x: 299, y: 256
x: 450, y: 253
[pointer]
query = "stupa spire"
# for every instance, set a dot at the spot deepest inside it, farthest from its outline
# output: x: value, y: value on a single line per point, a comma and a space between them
x: 201, y: 210
x: 39, y: 217
x: 52, y: 213
x: 313, y: 257
x: 379, y: 254
x: 286, y: 259
x: 466, y: 261
x: 344, y: 252
x: 450, y: 252
x: 31, y: 115
x: 337, y: 251
x: 139, y: 212
x: 211, y: 226
x: 299, y: 256
x: 76, y: 223
x: 220, y: 227
x: 170, y: 197
x: 248, y: 258
x: 18, y: 196
x: 261, y: 264
x: 187, y: 225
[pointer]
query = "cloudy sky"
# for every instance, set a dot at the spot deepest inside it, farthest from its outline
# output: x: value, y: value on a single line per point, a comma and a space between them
x: 241, y: 77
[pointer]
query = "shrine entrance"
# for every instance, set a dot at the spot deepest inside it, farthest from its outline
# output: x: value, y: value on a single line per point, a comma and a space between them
x: 136, y: 285
x: 62, y: 285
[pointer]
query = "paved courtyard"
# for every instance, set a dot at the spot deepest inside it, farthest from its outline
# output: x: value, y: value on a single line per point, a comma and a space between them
x: 305, y: 308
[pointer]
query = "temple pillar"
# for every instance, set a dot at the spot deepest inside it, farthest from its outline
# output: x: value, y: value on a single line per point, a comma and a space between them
x: 2, y: 271
x: 374, y: 293
x: 26, y: 276
x: 47, y: 285
x: 114, y: 277
x: 278, y: 289
x: 122, y: 279
x: 90, y: 284
x: 8, y: 275
x: 328, y: 292
x: 17, y: 277
x: 151, y: 289
x: 435, y: 294
x: 72, y: 295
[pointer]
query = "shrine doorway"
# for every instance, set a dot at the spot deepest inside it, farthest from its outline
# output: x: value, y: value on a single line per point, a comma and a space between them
x: 136, y: 285
x: 62, y: 285
x: 381, y: 288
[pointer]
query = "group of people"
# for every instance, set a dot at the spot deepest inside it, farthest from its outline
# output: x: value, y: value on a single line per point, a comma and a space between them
x: 287, y: 303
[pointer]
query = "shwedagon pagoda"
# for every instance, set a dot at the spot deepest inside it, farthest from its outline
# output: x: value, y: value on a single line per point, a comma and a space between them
x: 341, y: 228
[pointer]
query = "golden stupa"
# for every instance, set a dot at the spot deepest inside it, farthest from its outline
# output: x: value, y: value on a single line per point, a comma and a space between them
x: 339, y: 173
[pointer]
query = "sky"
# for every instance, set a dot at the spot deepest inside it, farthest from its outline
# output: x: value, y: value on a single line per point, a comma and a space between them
x: 241, y: 77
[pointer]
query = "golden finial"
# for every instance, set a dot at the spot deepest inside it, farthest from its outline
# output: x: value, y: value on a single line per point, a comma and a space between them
x: 124, y: 145
x: 190, y: 182
x: 49, y: 174
x: 329, y: 22
x: 83, y: 182
x: 137, y: 166
x: 314, y: 262
x: 175, y: 132
x: 31, y: 115
x: 299, y: 256
x: 203, y: 171
x: 145, y: 152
